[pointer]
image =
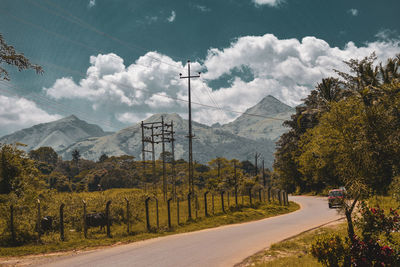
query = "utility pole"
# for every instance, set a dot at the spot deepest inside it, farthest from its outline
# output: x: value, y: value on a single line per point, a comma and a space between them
x: 163, y: 159
x: 173, y: 160
x: 190, y: 136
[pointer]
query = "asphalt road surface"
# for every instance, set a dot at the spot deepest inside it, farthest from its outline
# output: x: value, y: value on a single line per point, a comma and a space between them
x: 222, y: 246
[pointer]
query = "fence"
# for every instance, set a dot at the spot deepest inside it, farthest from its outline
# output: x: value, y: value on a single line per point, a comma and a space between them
x: 122, y: 214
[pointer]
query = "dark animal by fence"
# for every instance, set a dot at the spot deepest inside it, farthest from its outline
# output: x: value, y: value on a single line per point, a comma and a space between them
x: 46, y: 224
x: 96, y: 220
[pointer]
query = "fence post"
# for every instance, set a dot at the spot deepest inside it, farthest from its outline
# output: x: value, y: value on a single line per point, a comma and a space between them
x: 251, y: 201
x: 197, y: 205
x: 222, y: 201
x: 146, y: 202
x: 236, y: 196
x: 13, y: 238
x: 38, y: 226
x: 177, y: 210
x: 127, y: 216
x: 158, y: 221
x: 85, y: 228
x: 279, y: 197
x: 108, y: 218
x: 212, y: 200
x: 287, y: 198
x: 205, y: 204
x: 169, y: 212
x: 62, y: 222
x: 189, y: 206
x: 269, y: 194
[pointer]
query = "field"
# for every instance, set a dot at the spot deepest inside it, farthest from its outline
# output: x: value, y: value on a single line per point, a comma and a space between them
x: 28, y: 241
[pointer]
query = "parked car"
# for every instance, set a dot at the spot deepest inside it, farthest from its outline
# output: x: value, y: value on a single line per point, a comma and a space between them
x: 335, y: 198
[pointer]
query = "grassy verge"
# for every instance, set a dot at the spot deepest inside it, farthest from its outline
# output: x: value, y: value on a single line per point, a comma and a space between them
x: 292, y: 252
x: 295, y: 251
x: 97, y: 238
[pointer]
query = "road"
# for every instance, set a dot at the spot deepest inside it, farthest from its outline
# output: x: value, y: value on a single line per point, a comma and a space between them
x: 222, y: 246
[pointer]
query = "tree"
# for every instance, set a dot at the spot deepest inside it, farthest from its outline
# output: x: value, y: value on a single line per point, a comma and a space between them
x: 76, y: 156
x: 17, y: 171
x: 9, y: 56
x: 44, y: 154
x: 103, y: 157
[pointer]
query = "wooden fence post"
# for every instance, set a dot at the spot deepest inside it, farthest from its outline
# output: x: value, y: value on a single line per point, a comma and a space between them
x: 236, y: 196
x: 169, y: 212
x: 127, y: 216
x: 189, y: 206
x: 108, y: 218
x: 212, y: 202
x: 177, y: 210
x: 62, y: 222
x: 157, y: 217
x: 12, y: 229
x: 222, y: 201
x: 85, y: 228
x: 205, y: 204
x: 279, y: 197
x: 269, y: 194
x: 196, y: 204
x: 251, y: 201
x: 38, y: 226
x: 146, y: 202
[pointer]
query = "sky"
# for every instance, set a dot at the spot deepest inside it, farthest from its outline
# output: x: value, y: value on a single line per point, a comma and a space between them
x: 117, y: 62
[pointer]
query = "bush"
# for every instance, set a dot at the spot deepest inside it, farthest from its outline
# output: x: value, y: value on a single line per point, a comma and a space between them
x: 331, y: 250
x: 375, y: 246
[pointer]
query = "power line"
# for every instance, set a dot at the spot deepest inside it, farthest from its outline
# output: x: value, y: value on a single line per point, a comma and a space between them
x: 86, y: 25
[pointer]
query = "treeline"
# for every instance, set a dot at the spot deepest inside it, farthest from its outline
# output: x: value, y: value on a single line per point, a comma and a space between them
x: 44, y: 169
x: 347, y: 132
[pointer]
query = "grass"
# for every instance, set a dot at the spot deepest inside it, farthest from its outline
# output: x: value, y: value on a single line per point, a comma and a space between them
x: 295, y: 251
x: 75, y: 241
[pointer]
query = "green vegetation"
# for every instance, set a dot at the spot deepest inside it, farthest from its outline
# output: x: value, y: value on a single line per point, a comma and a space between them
x: 25, y: 219
x: 297, y: 251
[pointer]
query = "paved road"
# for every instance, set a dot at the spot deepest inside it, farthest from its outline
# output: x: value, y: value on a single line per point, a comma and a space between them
x: 222, y: 246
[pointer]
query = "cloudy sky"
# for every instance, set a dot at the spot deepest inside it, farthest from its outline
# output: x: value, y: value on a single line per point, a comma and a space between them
x: 115, y: 63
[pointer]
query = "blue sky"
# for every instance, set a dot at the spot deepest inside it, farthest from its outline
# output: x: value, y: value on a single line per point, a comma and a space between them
x: 114, y: 63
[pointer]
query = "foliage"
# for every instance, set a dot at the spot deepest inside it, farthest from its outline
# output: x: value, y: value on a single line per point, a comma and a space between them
x: 330, y: 250
x: 9, y: 56
x: 374, y: 247
x: 347, y: 130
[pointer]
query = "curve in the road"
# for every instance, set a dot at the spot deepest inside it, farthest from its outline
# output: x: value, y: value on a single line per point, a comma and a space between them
x: 222, y: 246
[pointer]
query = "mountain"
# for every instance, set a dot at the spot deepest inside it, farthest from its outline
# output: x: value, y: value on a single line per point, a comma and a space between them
x: 207, y: 144
x: 266, y: 126
x: 58, y: 134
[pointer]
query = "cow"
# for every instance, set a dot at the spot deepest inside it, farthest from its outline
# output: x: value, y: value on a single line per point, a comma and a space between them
x: 96, y: 219
x: 46, y: 224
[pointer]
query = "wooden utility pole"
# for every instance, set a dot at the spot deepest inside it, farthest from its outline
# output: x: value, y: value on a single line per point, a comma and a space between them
x: 190, y: 136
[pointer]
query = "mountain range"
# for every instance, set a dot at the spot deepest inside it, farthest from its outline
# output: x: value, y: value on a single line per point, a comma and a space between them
x: 256, y: 130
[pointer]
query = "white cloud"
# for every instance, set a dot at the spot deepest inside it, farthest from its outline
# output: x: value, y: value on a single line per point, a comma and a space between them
x: 92, y: 3
x: 130, y: 118
x: 202, y: 8
x: 17, y: 113
x: 387, y: 34
x: 172, y: 17
x: 353, y: 11
x: 288, y: 69
x: 273, y: 3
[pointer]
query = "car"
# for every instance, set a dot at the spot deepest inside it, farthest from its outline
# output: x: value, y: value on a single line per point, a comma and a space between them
x: 335, y: 198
